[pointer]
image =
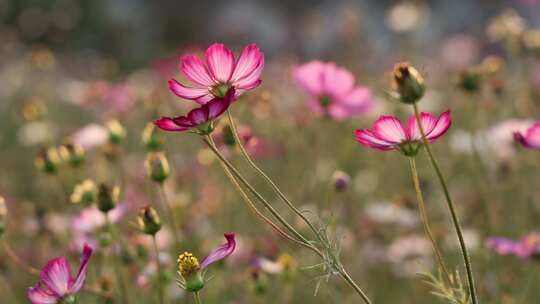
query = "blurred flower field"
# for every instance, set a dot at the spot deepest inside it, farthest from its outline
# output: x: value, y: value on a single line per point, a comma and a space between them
x: 269, y: 152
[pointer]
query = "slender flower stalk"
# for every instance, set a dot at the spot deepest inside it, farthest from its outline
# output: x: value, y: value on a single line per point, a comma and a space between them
x: 116, y: 265
x: 159, y: 276
x: 424, y: 218
x: 197, y: 297
x: 170, y: 211
x: 455, y: 219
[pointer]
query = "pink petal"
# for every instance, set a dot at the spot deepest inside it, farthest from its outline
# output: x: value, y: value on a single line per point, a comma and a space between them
x: 532, y: 138
x: 198, y: 115
x: 250, y: 59
x: 188, y: 93
x: 220, y: 62
x: 338, y: 111
x: 219, y: 105
x: 168, y: 124
x: 309, y: 77
x: 195, y: 70
x: 83, y: 269
x: 443, y: 124
x: 358, y: 101
x: 314, y: 105
x: 367, y: 139
x: 183, y: 121
x: 56, y: 275
x: 221, y: 251
x: 428, y: 122
x: 390, y: 129
x: 37, y: 295
x: 336, y: 81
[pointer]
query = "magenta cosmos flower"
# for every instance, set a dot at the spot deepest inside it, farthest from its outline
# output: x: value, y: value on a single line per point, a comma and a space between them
x: 388, y: 133
x: 220, y: 73
x: 531, y: 138
x: 57, y: 285
x: 528, y: 246
x: 192, y: 273
x: 331, y: 90
x: 200, y: 118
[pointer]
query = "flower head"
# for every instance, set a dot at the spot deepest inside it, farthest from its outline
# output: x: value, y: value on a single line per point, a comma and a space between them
x: 220, y: 73
x: 531, y: 138
x: 57, y: 284
x: 201, y: 118
x: 388, y: 133
x: 332, y: 90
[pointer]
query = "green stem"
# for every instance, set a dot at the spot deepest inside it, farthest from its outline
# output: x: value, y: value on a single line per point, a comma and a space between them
x: 116, y: 266
x: 451, y: 208
x: 197, y: 297
x: 345, y: 275
x: 159, y: 272
x: 424, y: 218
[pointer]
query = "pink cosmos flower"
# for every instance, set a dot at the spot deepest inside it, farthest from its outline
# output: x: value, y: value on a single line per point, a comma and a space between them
x: 220, y: 73
x: 57, y: 283
x: 388, y: 133
x: 201, y: 118
x: 531, y: 139
x: 332, y: 91
x: 526, y: 247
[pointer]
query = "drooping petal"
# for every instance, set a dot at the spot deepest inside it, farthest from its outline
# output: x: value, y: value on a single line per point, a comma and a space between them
x: 390, y: 129
x: 220, y: 62
x: 221, y: 251
x: 195, y: 71
x: 56, y: 275
x: 198, y: 116
x: 183, y: 121
x: 336, y: 81
x: 428, y: 122
x: 187, y: 93
x: 367, y: 139
x: 309, y: 77
x: 83, y: 269
x: 443, y: 124
x: 37, y: 295
x: 250, y: 59
x: 220, y: 105
x: 168, y: 124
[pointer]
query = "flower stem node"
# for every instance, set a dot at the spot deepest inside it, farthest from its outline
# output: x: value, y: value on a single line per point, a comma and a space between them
x: 409, y: 148
x: 149, y: 221
x: 157, y: 167
x: 408, y: 83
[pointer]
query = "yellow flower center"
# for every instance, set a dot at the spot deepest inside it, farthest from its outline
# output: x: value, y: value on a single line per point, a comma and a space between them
x: 187, y: 264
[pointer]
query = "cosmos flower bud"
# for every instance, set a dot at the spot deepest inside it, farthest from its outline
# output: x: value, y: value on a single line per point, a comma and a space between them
x: 84, y: 193
x: 341, y: 180
x: 48, y: 160
x: 408, y: 83
x: 152, y: 140
x: 149, y: 221
x: 107, y: 197
x: 189, y: 269
x: 157, y: 167
x: 71, y: 153
x: 117, y: 132
x: 3, y: 215
x: 470, y: 80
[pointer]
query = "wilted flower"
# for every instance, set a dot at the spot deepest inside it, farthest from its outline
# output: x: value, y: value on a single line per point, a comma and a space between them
x: 151, y: 139
x: 220, y: 74
x: 71, y: 153
x: 388, y: 133
x: 117, y: 132
x: 157, y: 167
x: 107, y: 197
x: 149, y: 221
x: 57, y: 284
x: 201, y: 119
x: 528, y: 246
x: 84, y: 193
x: 531, y: 138
x: 408, y: 83
x: 48, y: 160
x: 190, y: 270
x: 331, y: 90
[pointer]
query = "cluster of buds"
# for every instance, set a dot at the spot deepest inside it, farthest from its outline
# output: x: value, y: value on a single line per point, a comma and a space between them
x: 149, y: 221
x: 107, y: 197
x: 71, y: 153
x: 48, y: 160
x: 408, y: 83
x: 84, y: 193
x: 151, y: 138
x: 3, y: 215
x: 157, y: 167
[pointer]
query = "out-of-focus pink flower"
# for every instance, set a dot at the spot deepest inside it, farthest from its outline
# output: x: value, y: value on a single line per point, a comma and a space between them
x: 57, y: 284
x: 220, y: 252
x: 530, y: 138
x: 220, y: 73
x: 200, y: 118
x: 499, y: 138
x: 526, y: 247
x: 331, y: 90
x: 90, y: 136
x: 388, y: 133
x: 118, y: 97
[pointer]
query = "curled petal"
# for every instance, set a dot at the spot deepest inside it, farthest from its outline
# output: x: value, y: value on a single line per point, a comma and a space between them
x: 198, y: 116
x: 83, y: 269
x: 196, y: 94
x: 168, y: 124
x: 250, y: 59
x: 221, y: 251
x: 390, y: 129
x: 309, y: 77
x: 56, y: 275
x: 367, y: 139
x: 336, y: 81
x: 443, y: 124
x: 195, y: 70
x: 220, y: 62
x: 37, y: 295
x: 219, y: 105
